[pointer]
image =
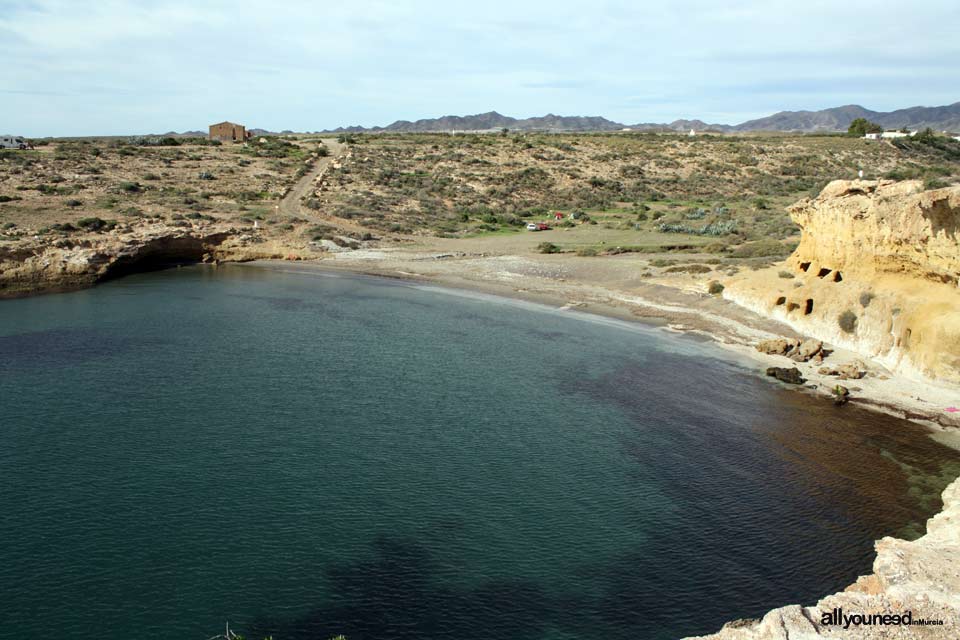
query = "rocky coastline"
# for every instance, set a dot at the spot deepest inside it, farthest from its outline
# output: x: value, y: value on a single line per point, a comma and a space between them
x: 919, y: 577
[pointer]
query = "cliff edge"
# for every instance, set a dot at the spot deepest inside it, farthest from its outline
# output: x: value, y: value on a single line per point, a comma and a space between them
x: 876, y: 271
x: 921, y: 578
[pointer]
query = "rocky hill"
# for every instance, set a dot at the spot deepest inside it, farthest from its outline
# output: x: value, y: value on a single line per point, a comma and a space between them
x: 945, y: 118
x: 876, y: 272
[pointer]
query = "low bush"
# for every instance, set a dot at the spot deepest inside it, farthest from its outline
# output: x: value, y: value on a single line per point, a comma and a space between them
x: 548, y: 247
x: 847, y: 321
x: 96, y: 224
x: 715, y: 288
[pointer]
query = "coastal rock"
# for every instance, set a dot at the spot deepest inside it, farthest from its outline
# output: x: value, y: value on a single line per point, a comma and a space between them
x: 877, y: 272
x: 777, y: 346
x: 919, y: 576
x: 790, y: 376
x: 808, y: 349
x: 849, y: 371
x: 794, y: 348
x: 37, y: 264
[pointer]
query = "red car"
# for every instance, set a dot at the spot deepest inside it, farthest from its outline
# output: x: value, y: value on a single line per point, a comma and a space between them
x: 543, y: 226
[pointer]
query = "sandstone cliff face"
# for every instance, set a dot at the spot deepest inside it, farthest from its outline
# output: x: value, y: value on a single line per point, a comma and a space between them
x: 37, y: 265
x: 922, y: 577
x: 876, y: 271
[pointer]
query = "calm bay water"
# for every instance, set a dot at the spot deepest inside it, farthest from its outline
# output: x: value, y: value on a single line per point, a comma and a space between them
x: 306, y: 455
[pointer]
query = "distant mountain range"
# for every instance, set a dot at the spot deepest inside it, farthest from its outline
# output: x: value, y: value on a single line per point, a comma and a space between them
x: 946, y: 118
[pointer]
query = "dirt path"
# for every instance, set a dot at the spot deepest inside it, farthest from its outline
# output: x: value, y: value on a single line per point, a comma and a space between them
x: 291, y: 203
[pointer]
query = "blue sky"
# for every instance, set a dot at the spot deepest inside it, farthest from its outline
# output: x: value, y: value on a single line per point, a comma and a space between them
x: 115, y: 67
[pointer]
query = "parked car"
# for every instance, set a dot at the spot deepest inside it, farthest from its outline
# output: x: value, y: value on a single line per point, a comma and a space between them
x: 543, y: 226
x: 13, y: 142
x: 532, y: 226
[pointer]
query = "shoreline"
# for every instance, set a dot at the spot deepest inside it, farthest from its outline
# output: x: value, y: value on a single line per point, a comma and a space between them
x: 730, y: 327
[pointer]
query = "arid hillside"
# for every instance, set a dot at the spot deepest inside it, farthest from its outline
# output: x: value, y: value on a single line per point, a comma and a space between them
x: 732, y: 188
x: 70, y: 185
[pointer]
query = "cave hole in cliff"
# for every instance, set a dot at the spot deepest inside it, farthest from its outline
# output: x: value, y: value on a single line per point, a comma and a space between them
x: 160, y: 254
x: 906, y: 338
x: 837, y: 276
x: 823, y: 272
x: 804, y: 266
x: 781, y: 300
x: 808, y: 307
x: 792, y: 306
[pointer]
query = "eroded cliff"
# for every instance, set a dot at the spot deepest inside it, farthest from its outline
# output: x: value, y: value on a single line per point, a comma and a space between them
x: 919, y: 577
x: 34, y: 265
x: 876, y: 271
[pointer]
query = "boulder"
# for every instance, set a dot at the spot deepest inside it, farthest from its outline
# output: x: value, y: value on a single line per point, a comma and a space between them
x: 852, y: 370
x: 777, y: 346
x: 809, y: 348
x: 783, y: 374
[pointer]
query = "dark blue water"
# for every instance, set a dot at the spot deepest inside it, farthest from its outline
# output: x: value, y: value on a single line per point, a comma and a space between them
x: 305, y: 456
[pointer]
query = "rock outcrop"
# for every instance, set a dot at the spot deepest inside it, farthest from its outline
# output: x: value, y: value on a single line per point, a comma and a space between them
x: 789, y: 376
x: 877, y: 272
x: 40, y: 264
x: 921, y: 577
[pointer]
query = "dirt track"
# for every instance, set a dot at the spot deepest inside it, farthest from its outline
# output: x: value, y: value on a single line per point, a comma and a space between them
x: 290, y: 205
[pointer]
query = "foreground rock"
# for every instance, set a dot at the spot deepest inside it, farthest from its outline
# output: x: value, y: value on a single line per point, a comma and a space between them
x: 876, y: 272
x: 920, y: 577
x: 794, y: 348
x: 790, y: 376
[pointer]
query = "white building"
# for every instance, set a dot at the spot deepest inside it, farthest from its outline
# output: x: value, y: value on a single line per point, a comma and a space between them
x: 897, y: 134
x: 692, y: 133
x: 872, y: 136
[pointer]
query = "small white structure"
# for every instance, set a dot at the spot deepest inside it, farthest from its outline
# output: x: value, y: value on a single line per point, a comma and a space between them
x: 860, y: 174
x: 897, y: 134
x: 13, y: 142
x: 692, y: 133
x: 871, y: 136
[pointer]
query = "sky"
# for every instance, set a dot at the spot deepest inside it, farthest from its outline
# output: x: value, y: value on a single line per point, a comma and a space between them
x: 111, y: 67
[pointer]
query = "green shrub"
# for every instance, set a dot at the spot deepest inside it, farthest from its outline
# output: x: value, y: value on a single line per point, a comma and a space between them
x: 847, y: 321
x: 786, y: 275
x: 866, y: 298
x: 96, y: 224
x: 587, y: 252
x: 689, y: 268
x: 548, y: 247
x: 715, y: 288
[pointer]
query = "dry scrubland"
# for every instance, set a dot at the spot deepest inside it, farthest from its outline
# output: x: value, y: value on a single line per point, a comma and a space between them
x: 719, y: 189
x: 69, y: 186
x: 712, y: 200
